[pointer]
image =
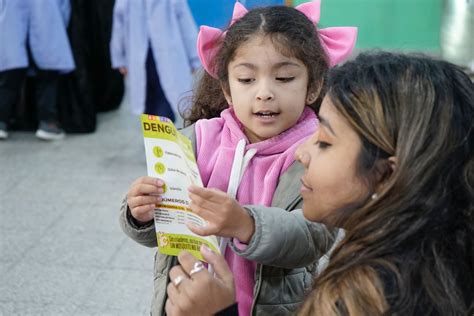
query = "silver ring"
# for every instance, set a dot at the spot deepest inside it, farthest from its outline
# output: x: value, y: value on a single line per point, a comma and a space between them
x: 178, y: 280
x: 198, y: 266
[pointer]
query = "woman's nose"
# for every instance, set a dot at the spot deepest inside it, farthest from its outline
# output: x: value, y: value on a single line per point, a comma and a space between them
x: 301, y: 155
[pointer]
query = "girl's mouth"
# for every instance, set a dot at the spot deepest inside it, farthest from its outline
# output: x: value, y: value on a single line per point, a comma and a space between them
x: 266, y: 114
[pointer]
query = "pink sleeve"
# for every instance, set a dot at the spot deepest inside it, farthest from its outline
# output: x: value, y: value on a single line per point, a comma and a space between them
x: 239, y: 245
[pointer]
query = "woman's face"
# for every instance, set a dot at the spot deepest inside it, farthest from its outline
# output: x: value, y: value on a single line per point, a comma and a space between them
x: 330, y: 156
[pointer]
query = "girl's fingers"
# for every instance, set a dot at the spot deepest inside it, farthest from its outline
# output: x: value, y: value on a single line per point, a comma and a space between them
x: 142, y: 209
x: 148, y: 180
x: 211, y: 195
x: 143, y: 213
x: 201, y: 230
x: 144, y: 189
x: 146, y: 185
x: 201, y: 203
x: 207, y: 214
x: 143, y: 200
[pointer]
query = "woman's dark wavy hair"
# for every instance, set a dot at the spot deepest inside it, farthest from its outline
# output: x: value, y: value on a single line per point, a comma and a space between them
x: 410, y: 251
x: 291, y: 32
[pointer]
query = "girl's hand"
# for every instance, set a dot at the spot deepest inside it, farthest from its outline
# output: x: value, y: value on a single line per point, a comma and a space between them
x: 199, y: 293
x: 225, y: 216
x: 143, y: 195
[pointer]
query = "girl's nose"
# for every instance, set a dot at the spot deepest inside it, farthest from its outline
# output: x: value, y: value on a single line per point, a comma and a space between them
x: 265, y: 97
x: 265, y: 92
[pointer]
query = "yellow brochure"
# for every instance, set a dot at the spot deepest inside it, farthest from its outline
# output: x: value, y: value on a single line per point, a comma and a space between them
x: 170, y: 157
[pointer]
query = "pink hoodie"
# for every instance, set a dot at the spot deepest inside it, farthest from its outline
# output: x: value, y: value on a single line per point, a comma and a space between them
x: 216, y: 142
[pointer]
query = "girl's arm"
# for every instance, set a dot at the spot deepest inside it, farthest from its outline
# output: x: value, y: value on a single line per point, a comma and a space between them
x: 118, y: 52
x: 188, y: 32
x: 144, y: 234
x: 269, y: 235
x: 285, y: 239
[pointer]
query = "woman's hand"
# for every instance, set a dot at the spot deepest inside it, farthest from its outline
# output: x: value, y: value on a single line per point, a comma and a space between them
x: 198, y: 292
x: 225, y: 216
x: 142, y: 197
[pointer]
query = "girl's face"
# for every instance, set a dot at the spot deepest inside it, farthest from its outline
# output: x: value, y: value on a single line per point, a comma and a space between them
x: 330, y: 182
x: 268, y: 91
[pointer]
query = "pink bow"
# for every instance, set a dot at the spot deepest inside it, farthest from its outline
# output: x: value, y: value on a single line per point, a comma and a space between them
x: 337, y: 42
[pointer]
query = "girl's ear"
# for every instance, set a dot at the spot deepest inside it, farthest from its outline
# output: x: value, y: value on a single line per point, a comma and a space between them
x: 313, y: 94
x: 311, y: 98
x: 227, y: 96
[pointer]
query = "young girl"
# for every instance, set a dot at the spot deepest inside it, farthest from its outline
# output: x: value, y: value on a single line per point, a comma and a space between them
x: 392, y: 164
x: 264, y: 76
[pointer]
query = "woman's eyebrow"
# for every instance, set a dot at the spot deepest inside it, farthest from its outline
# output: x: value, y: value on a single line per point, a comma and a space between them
x: 325, y: 122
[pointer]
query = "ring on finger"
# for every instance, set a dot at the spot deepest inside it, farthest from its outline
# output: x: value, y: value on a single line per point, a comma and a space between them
x: 198, y: 266
x: 178, y: 280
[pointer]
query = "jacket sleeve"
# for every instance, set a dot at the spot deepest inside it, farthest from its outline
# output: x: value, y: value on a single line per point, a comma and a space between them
x: 285, y: 239
x: 65, y: 7
x: 188, y: 32
x: 144, y: 235
x: 118, y: 52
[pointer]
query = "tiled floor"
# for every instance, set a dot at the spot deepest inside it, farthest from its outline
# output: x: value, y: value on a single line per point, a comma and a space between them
x: 61, y: 249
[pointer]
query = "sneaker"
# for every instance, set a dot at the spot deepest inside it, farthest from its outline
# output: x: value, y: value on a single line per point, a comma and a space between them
x: 3, y: 130
x: 49, y: 131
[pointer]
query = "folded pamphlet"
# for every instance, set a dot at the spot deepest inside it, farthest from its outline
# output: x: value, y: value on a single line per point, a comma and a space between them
x: 170, y: 157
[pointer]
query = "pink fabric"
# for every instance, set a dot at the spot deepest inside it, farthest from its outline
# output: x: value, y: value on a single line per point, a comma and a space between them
x: 337, y: 42
x: 208, y: 38
x: 216, y: 140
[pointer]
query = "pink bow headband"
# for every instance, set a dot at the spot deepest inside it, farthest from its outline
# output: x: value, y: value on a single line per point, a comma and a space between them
x: 337, y: 42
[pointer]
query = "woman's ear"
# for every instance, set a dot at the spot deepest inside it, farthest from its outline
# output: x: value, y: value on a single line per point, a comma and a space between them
x: 393, y: 163
x: 385, y: 170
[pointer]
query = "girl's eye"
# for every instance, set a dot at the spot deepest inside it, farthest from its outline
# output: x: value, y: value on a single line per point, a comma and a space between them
x: 285, y: 79
x: 323, y: 145
x: 245, y: 80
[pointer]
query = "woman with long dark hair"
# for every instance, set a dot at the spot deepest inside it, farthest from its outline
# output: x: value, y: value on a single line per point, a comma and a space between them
x: 392, y: 164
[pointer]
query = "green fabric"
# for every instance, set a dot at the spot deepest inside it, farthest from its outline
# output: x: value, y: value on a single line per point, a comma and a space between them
x: 387, y: 24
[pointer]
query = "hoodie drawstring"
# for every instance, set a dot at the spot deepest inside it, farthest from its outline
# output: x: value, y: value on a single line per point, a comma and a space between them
x: 240, y: 163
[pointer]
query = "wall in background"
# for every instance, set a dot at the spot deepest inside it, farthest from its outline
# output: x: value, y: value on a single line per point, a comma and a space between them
x: 217, y: 13
x: 392, y: 24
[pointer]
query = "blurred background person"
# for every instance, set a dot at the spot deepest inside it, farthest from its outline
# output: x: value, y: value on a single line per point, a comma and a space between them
x: 154, y: 43
x: 34, y: 41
